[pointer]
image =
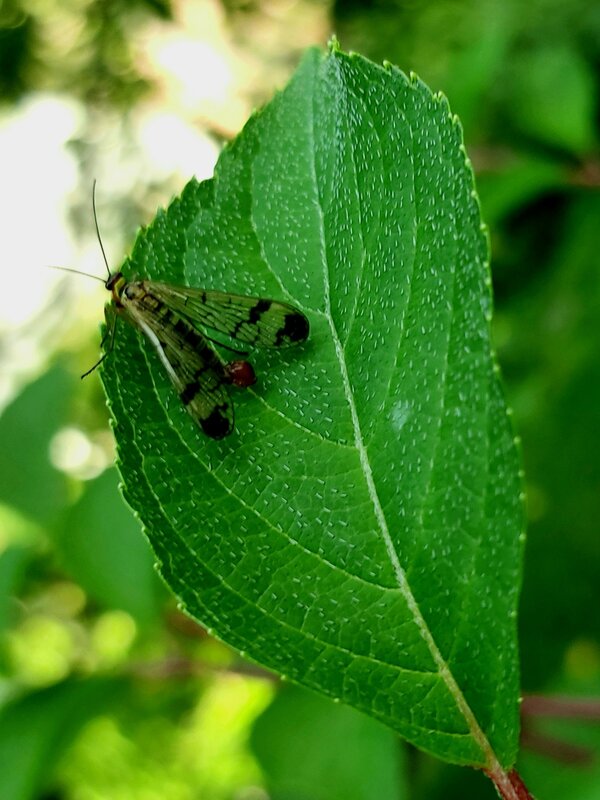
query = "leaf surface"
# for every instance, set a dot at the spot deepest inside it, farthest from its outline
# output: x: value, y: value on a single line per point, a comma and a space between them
x: 360, y: 532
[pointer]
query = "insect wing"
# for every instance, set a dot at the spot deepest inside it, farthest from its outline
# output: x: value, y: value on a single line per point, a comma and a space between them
x: 192, y: 365
x: 252, y: 320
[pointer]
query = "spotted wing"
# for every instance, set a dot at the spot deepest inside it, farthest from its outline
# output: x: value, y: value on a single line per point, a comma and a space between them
x: 252, y: 320
x: 192, y: 365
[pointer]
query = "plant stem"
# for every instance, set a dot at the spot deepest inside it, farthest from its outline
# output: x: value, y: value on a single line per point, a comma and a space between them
x: 508, y: 784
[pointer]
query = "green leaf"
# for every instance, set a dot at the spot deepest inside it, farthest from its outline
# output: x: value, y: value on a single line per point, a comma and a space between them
x: 13, y: 563
x: 101, y: 547
x: 28, y: 481
x: 36, y: 729
x: 554, y: 352
x: 553, y: 97
x: 523, y: 180
x: 345, y: 754
x: 360, y: 532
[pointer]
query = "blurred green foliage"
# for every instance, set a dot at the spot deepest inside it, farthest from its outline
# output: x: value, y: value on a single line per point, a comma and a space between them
x: 81, y: 614
x: 369, y: 766
x: 84, y: 48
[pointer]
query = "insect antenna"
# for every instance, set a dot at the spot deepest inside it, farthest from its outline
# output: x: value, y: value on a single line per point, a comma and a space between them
x: 98, y: 229
x: 109, y: 333
x: 76, y: 272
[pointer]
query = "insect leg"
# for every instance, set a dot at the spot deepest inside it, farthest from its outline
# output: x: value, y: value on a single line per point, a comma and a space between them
x: 107, y: 333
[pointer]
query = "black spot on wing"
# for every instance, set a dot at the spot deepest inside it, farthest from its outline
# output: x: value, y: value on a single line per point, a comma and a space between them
x: 295, y: 328
x: 190, y: 336
x: 217, y: 425
x: 258, y: 309
x: 189, y: 392
x: 255, y: 314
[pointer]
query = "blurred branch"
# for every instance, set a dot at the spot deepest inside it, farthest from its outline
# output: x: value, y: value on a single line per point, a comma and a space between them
x: 561, y: 706
x: 539, y: 706
x: 181, y: 667
x: 587, y: 175
x: 556, y: 749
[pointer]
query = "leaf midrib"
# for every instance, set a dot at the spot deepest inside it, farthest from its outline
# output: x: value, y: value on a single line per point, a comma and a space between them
x: 444, y: 671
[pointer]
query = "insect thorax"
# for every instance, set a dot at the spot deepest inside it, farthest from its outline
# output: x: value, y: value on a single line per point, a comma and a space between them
x: 116, y: 285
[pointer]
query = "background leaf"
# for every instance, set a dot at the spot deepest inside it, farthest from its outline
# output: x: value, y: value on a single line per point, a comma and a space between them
x: 100, y: 545
x: 367, y: 767
x: 27, y: 426
x: 36, y: 729
x: 13, y: 563
x: 360, y: 532
x: 554, y: 98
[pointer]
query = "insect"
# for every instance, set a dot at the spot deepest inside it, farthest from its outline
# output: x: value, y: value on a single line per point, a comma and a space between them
x: 175, y: 318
